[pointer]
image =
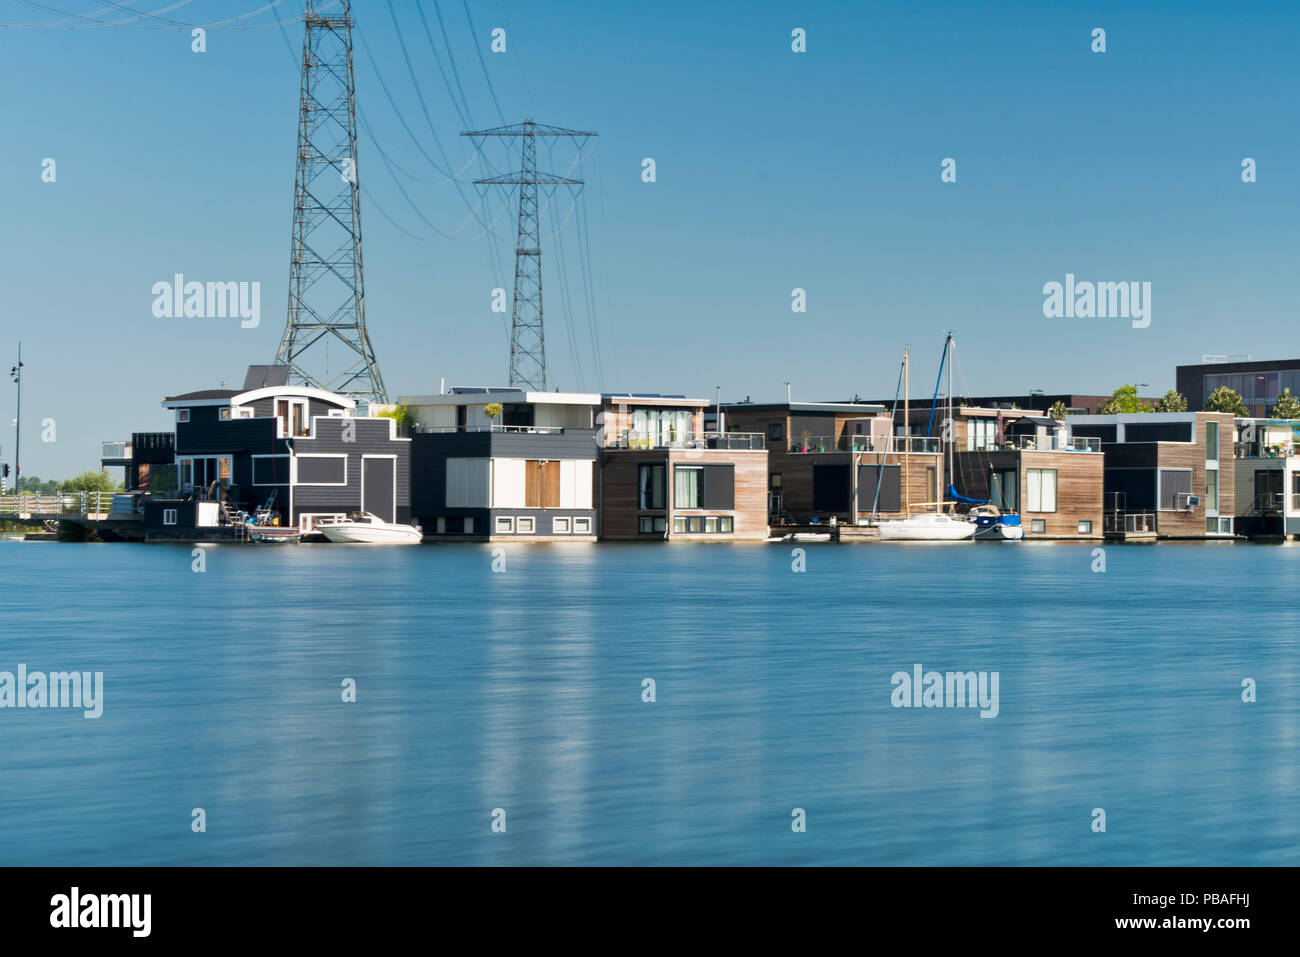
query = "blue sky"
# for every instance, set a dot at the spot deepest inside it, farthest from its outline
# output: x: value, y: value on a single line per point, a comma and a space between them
x: 775, y: 170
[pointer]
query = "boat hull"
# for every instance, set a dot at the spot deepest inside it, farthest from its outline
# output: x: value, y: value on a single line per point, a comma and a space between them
x: 362, y: 533
x: 274, y: 536
x: 935, y: 528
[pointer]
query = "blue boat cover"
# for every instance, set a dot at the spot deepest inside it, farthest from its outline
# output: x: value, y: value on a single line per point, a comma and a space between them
x: 952, y: 494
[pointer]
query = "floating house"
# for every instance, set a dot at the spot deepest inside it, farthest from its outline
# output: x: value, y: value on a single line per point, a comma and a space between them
x: 1032, y: 467
x: 1167, y: 474
x: 526, y: 475
x: 663, y: 476
x: 1259, y: 382
x: 555, y: 466
x: 300, y: 452
x: 1267, y: 483
x: 839, y: 460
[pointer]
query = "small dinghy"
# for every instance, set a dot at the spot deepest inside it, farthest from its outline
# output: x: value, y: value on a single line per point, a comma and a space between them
x: 274, y: 534
x: 992, y: 526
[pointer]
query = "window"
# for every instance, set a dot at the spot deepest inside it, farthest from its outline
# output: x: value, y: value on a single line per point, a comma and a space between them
x: 182, y: 415
x: 1040, y: 490
x: 1158, y: 432
x: 292, y: 416
x: 441, y: 526
x: 526, y: 525
x: 1212, y: 489
x: 270, y: 470
x: 469, y: 525
x: 774, y: 480
x: 505, y: 525
x: 650, y: 483
x: 1038, y: 526
x: 688, y: 486
x: 981, y: 434
x: 1268, y: 490
x: 679, y: 525
x: 1212, y: 441
x: 775, y: 431
x: 645, y: 524
x: 559, y: 526
x: 830, y: 488
x: 1003, y: 491
x: 710, y: 524
x: 693, y: 523
x: 322, y: 469
x: 224, y: 414
x: 726, y: 524
x: 1085, y: 526
x: 169, y: 516
x: 1175, y: 487
x: 582, y: 526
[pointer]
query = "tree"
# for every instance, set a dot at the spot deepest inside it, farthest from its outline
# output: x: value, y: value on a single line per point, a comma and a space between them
x: 1288, y: 406
x: 1174, y: 401
x: 1057, y: 411
x: 493, y: 411
x: 1124, y: 399
x: 1224, y: 399
x: 92, y: 480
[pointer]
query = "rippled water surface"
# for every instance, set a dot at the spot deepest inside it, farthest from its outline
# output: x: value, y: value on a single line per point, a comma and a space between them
x: 522, y: 690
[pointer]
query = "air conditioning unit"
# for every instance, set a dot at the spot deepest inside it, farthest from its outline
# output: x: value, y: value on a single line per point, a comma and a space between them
x: 1186, y: 501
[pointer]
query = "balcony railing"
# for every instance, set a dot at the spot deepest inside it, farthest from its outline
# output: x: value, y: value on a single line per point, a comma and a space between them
x: 1051, y: 443
x: 735, y: 441
x: 883, y: 444
x: 1269, y: 501
x: 519, y: 429
x: 63, y: 503
x: 1260, y: 450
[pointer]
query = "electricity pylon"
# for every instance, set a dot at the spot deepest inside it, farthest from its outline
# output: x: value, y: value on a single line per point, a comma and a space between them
x: 327, y: 292
x: 527, y: 338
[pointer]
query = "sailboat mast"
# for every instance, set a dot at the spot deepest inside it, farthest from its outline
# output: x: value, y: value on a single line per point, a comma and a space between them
x: 907, y: 432
x: 951, y: 430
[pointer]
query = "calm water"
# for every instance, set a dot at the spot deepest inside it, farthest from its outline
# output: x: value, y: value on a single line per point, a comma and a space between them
x: 522, y: 690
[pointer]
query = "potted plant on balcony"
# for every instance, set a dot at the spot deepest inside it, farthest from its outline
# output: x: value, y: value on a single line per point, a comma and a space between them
x: 803, y: 446
x: 493, y: 412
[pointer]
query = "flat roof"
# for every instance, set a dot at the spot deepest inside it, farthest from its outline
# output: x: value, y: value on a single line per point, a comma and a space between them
x: 866, y: 407
x: 461, y: 396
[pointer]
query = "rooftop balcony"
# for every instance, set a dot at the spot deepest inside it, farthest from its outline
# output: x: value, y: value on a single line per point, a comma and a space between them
x: 814, y: 444
x: 1262, y: 450
x: 733, y: 441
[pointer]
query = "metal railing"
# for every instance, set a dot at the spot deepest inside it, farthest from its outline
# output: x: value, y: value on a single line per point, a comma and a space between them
x: 1269, y: 501
x: 736, y: 441
x: 63, y: 503
x: 1051, y: 443
x: 884, y: 444
x: 524, y: 429
x: 1259, y: 450
x: 1129, y: 522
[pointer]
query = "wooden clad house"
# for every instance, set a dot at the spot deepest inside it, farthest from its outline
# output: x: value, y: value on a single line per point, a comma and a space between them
x: 525, y: 476
x: 662, y: 477
x: 1168, y: 474
x: 838, y: 460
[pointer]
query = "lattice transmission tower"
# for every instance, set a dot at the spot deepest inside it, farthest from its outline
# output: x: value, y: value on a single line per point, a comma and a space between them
x: 527, y: 337
x: 327, y: 292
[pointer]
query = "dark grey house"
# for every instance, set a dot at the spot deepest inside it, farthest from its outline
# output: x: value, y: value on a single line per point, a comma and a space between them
x: 1259, y: 383
x: 300, y: 451
x: 525, y: 475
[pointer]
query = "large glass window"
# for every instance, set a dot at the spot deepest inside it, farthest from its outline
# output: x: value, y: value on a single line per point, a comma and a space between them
x: 1002, y: 490
x: 688, y: 486
x: 1212, y: 441
x: 1040, y: 490
x: 1212, y: 489
x: 650, y: 483
x: 981, y: 434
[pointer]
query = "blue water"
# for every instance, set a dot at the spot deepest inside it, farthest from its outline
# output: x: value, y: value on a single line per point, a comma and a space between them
x: 522, y: 690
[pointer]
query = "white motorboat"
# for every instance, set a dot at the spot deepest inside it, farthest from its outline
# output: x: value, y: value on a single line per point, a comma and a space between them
x: 926, y: 528
x: 364, y: 528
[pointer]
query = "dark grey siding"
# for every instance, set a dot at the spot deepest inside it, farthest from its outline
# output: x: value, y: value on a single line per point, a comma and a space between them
x: 569, y: 444
x: 429, y: 454
x: 206, y: 434
x: 370, y: 437
x: 890, y: 488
